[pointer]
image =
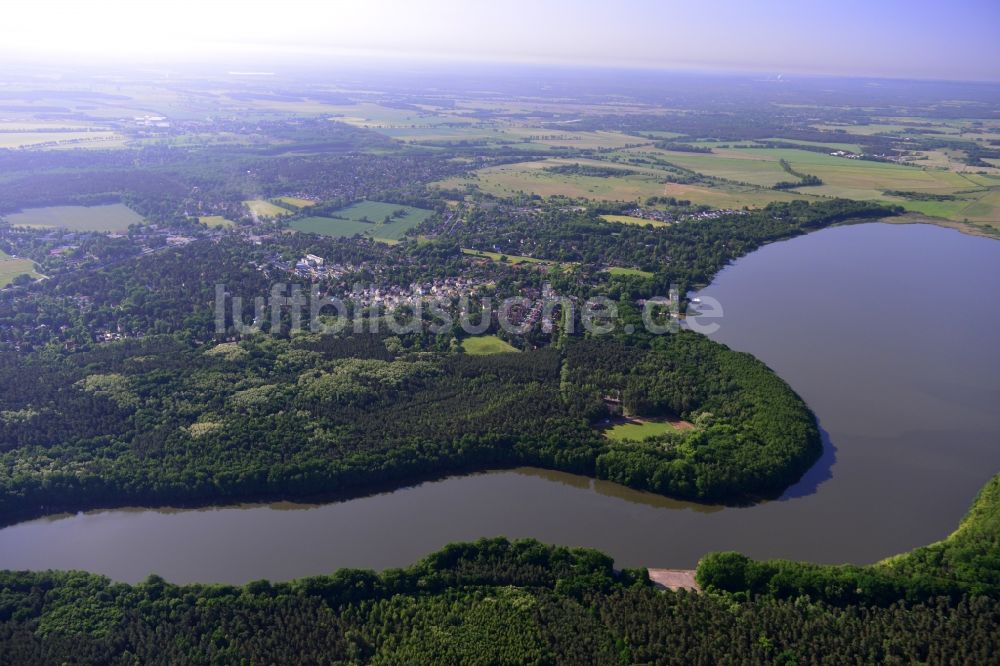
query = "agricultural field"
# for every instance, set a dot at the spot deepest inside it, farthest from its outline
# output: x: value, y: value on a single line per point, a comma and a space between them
x: 486, y: 344
x: 638, y: 430
x: 110, y: 217
x: 731, y: 196
x: 537, y: 136
x: 36, y: 139
x: 535, y: 178
x: 10, y: 268
x: 860, y: 179
x: 974, y: 196
x: 366, y: 218
x: 728, y: 164
x: 751, y: 173
x: 266, y: 209
x: 832, y: 145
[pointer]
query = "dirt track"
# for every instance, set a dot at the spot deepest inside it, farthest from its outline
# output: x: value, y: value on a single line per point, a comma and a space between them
x: 674, y: 579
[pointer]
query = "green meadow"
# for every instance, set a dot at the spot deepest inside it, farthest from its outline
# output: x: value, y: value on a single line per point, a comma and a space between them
x: 638, y: 430
x: 618, y: 270
x: 296, y: 202
x: 215, y: 221
x: 486, y: 344
x: 628, y: 219
x: 367, y: 218
x: 111, y: 217
x: 10, y: 268
x: 536, y: 178
x: 496, y: 256
x: 262, y: 208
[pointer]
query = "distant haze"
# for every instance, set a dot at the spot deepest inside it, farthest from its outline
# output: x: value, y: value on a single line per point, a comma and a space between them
x: 887, y: 38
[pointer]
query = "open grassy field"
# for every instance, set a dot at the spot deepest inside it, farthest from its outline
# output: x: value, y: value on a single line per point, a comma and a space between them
x: 215, y: 221
x: 575, y: 140
x: 861, y: 179
x: 377, y: 211
x: 486, y: 344
x: 61, y: 139
x: 618, y: 270
x: 734, y: 196
x: 985, y: 210
x: 262, y: 208
x: 10, y: 268
x: 638, y: 430
x: 331, y: 226
x: 725, y: 163
x: 636, y: 183
x: 534, y: 178
x: 975, y: 196
x: 297, y: 202
x: 833, y: 145
x: 628, y: 219
x: 366, y: 218
x: 111, y: 217
x: 496, y: 256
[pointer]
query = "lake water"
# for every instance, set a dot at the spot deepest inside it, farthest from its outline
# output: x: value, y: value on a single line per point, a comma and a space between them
x: 889, y: 332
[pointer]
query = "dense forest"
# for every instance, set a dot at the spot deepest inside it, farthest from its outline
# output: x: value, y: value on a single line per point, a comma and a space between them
x: 165, y: 420
x: 968, y: 561
x: 687, y: 254
x: 489, y: 602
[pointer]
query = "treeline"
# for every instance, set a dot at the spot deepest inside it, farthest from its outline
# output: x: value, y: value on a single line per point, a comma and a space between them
x: 683, y: 147
x: 967, y: 562
x: 577, y: 169
x: 919, y: 196
x: 685, y: 254
x: 165, y: 420
x: 805, y: 179
x: 754, y: 435
x: 172, y: 185
x: 489, y: 602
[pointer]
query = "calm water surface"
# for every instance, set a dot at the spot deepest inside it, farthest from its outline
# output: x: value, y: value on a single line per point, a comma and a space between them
x: 889, y: 332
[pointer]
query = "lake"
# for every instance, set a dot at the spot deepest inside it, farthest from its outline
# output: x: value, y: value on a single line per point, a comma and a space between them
x: 889, y: 332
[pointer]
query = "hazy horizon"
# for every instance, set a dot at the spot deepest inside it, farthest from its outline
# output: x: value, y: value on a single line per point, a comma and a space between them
x: 893, y: 39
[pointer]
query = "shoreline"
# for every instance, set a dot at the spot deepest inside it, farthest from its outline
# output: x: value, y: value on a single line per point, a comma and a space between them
x: 967, y: 228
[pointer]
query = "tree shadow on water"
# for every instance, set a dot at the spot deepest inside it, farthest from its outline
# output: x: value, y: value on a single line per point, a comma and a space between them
x: 815, y: 476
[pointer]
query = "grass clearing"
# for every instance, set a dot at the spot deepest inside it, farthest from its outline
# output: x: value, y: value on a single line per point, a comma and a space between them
x: 509, y: 258
x: 734, y: 197
x: 728, y: 164
x: 375, y: 219
x: 618, y: 270
x: 215, y: 221
x: 534, y: 178
x: 486, y: 344
x: 37, y: 139
x: 11, y: 268
x: 262, y: 208
x: 832, y: 145
x: 638, y: 430
x: 331, y: 226
x: 628, y: 219
x: 110, y: 217
x: 296, y: 202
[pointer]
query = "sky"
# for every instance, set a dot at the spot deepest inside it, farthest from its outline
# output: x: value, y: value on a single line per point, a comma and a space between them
x: 957, y: 40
